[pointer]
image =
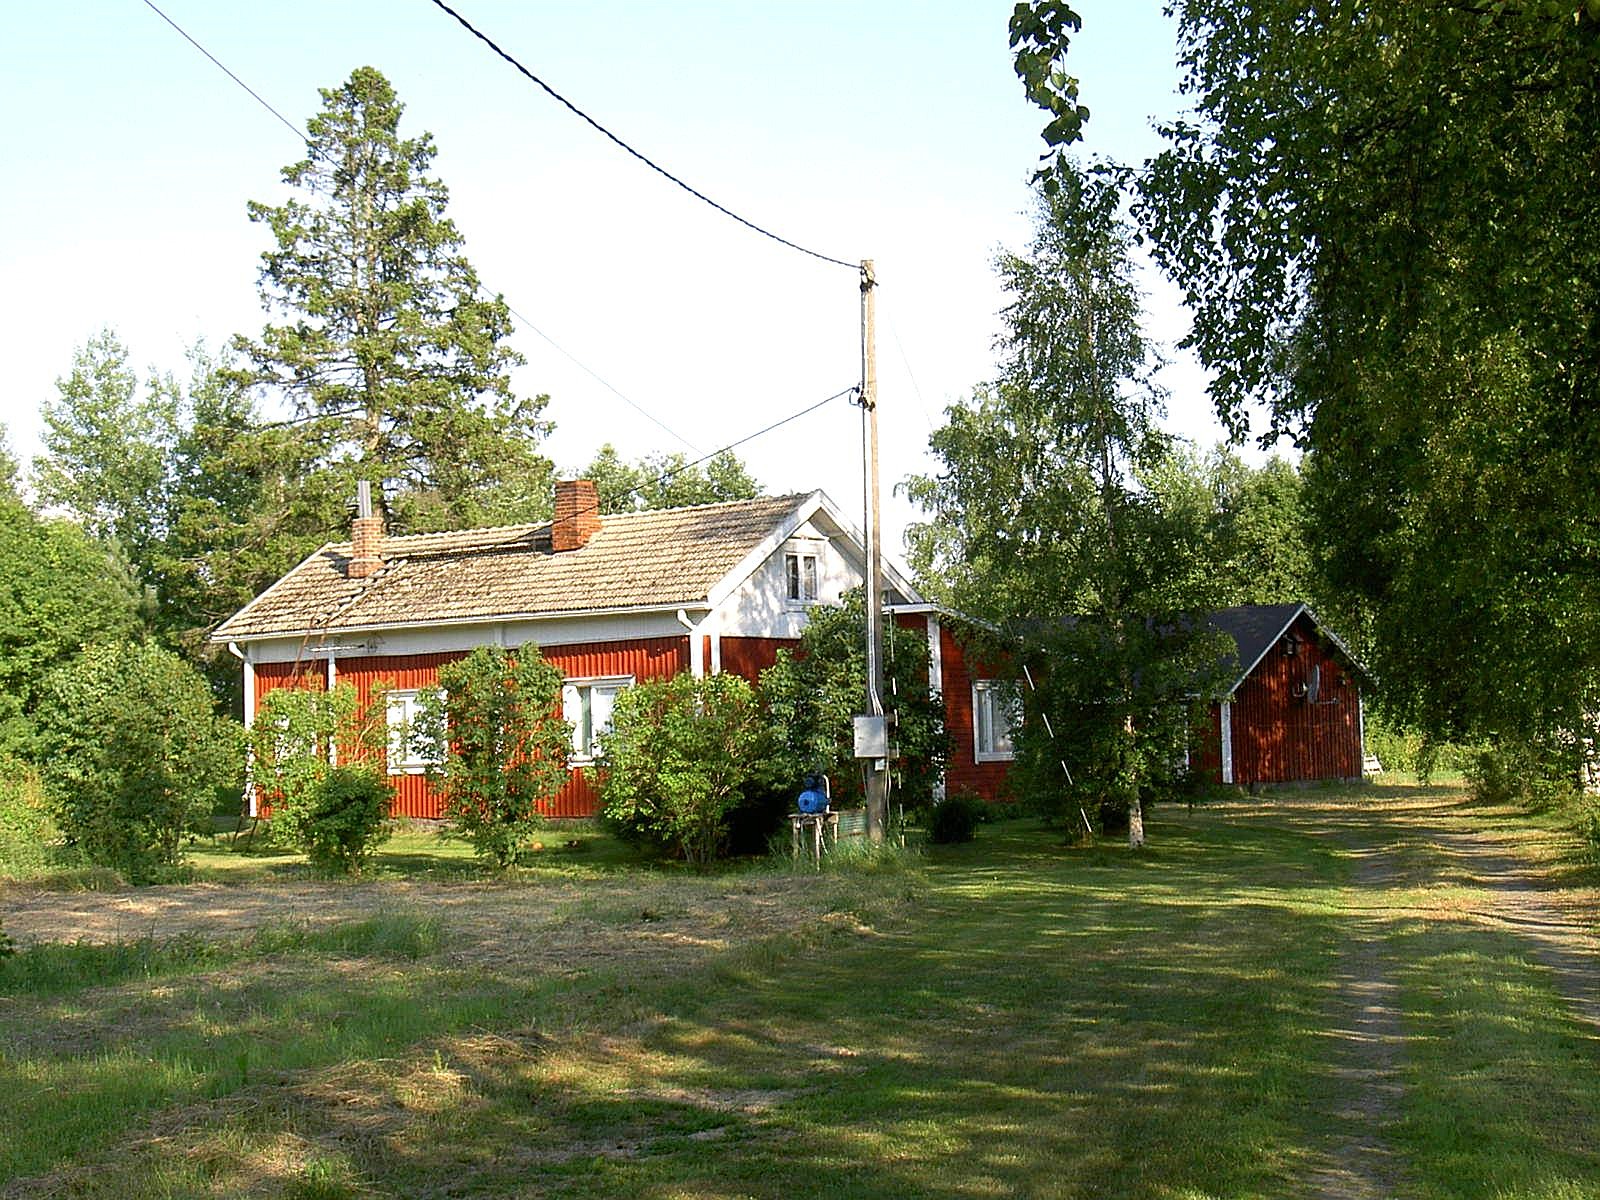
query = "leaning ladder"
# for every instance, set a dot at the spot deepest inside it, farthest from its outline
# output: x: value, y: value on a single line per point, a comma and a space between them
x: 1050, y: 729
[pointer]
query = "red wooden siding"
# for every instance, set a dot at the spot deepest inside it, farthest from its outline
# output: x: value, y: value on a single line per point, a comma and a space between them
x: 1280, y: 738
x: 644, y: 658
x: 964, y: 773
x: 398, y: 672
x: 747, y: 657
x: 1205, y: 745
x: 310, y: 673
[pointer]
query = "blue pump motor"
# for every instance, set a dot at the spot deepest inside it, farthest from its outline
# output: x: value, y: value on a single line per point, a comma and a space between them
x: 814, y: 794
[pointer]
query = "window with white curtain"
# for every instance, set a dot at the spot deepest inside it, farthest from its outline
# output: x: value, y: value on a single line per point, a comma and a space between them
x: 996, y: 711
x: 587, y: 704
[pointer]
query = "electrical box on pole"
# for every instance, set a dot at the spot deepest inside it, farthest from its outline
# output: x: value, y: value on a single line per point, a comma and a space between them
x: 877, y: 766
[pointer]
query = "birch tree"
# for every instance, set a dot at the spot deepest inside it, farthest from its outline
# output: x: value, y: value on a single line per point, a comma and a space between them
x: 1038, y: 521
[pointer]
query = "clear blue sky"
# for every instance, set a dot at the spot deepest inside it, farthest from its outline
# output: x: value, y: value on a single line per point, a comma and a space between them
x: 895, y: 131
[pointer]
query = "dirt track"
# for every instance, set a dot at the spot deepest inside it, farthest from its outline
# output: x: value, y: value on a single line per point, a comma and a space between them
x: 1422, y: 841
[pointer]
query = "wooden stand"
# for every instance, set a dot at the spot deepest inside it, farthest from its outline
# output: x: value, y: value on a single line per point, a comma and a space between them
x: 824, y: 827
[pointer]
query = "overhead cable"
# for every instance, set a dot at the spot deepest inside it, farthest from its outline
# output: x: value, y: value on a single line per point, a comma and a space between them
x: 654, y: 166
x: 749, y: 437
x: 483, y: 288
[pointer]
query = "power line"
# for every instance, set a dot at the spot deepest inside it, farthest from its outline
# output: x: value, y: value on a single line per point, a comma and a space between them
x: 905, y: 358
x: 611, y: 387
x: 750, y: 437
x: 292, y: 127
x: 311, y: 150
x: 654, y: 166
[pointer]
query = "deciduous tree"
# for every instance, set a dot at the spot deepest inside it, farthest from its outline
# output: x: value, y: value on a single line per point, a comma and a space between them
x: 494, y: 731
x: 61, y: 590
x: 134, y: 756
x: 677, y: 758
x: 1382, y: 216
x: 812, y: 692
x: 667, y: 481
x: 1039, y: 522
x: 107, y: 444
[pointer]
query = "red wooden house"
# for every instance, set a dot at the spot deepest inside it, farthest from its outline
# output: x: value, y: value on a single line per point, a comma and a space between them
x: 609, y: 600
x: 1291, y: 711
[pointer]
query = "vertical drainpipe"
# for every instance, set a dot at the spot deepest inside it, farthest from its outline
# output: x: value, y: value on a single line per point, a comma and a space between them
x: 249, y: 720
x: 1227, y: 741
x: 697, y: 658
x: 936, y: 684
x: 333, y: 682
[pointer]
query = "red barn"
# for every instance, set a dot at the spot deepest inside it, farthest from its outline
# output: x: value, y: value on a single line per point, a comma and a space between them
x: 609, y: 600
x: 1292, y: 711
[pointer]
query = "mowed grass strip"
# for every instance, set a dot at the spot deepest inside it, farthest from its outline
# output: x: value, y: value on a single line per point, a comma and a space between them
x: 1024, y: 1020
x: 1045, y: 1021
x: 1502, y: 1094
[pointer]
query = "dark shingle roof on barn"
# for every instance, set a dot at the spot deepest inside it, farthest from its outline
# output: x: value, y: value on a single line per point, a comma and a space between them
x: 1253, y: 628
x: 648, y: 559
x: 1256, y: 628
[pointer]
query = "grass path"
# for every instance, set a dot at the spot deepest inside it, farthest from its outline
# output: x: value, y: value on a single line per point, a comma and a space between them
x: 1332, y: 996
x: 1364, y: 1027
x: 1437, y: 885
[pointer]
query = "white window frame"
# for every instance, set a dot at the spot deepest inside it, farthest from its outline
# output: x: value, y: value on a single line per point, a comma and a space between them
x: 795, y: 581
x: 577, y: 706
x: 986, y: 698
x: 404, y: 760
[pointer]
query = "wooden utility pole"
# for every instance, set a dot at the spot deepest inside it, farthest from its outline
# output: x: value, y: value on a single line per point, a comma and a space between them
x: 877, y: 767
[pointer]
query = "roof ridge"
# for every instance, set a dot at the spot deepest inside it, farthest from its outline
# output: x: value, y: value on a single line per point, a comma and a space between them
x: 537, y: 525
x: 665, y: 555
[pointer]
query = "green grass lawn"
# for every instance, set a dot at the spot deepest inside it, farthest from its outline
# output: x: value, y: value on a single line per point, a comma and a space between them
x: 1011, y: 1018
x: 415, y: 850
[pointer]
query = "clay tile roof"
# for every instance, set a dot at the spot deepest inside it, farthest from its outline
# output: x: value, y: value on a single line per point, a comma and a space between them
x: 665, y: 557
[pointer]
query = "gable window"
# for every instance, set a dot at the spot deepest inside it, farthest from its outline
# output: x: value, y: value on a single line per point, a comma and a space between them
x: 800, y: 577
x: 587, y: 704
x: 995, y: 713
x: 405, y: 756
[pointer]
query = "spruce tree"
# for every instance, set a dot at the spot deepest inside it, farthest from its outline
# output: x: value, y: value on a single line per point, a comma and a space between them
x: 392, y: 363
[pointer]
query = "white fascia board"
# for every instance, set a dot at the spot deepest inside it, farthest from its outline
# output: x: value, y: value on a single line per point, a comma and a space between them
x: 498, y: 618
x: 817, y: 502
x: 1276, y: 638
x: 220, y: 634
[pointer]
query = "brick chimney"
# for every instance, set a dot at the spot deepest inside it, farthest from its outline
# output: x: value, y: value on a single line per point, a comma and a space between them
x: 577, y: 514
x: 366, y: 537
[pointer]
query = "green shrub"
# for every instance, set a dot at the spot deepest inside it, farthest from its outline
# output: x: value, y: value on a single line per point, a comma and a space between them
x: 133, y: 754
x: 339, y: 820
x: 812, y: 694
x: 28, y: 833
x: 1534, y: 777
x: 7, y: 946
x: 298, y: 733
x: 956, y: 818
x: 494, y: 731
x: 1587, y: 826
x: 679, y: 753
